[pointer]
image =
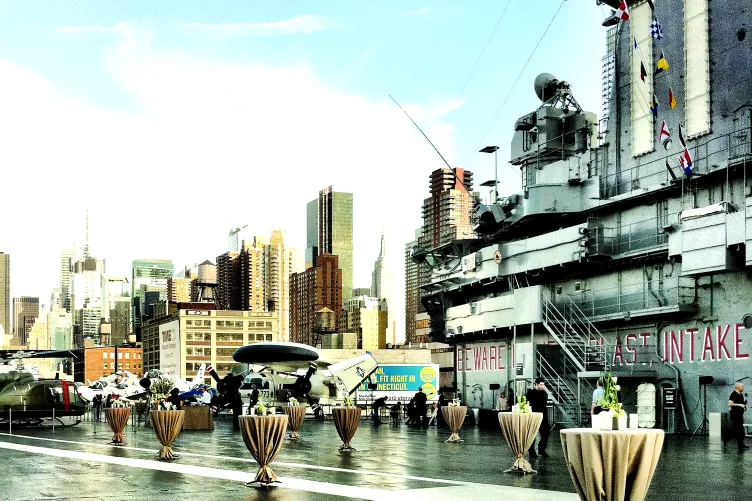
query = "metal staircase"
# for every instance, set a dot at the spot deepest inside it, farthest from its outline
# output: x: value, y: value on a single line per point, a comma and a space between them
x: 581, y: 341
x: 585, y: 350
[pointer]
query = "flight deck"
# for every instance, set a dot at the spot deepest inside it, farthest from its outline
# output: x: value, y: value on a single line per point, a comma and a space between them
x: 78, y: 463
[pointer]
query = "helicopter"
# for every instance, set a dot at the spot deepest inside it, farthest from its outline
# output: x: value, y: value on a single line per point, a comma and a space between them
x: 28, y: 400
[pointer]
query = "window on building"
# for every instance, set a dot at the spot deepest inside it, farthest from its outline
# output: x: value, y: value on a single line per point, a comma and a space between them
x: 127, y: 355
x: 268, y: 337
x: 105, y: 366
x: 640, y: 18
x: 220, y: 324
x: 696, y: 67
x: 112, y: 365
x: 188, y: 323
x: 225, y: 352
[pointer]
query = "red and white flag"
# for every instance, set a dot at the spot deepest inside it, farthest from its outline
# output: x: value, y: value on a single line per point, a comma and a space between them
x: 622, y: 12
x: 664, y: 133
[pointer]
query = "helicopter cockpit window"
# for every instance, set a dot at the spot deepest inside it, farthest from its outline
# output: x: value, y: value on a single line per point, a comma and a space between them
x: 72, y: 395
x: 122, y: 386
x: 55, y: 394
x: 98, y: 385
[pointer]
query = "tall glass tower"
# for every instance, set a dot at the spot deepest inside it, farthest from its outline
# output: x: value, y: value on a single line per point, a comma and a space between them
x: 330, y: 231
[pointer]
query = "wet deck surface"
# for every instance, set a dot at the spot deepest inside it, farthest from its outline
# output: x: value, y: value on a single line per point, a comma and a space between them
x: 390, y: 463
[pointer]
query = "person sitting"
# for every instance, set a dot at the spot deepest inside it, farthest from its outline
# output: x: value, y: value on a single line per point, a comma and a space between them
x: 205, y: 398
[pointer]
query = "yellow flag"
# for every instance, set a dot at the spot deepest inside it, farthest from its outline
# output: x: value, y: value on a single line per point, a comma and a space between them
x: 662, y: 64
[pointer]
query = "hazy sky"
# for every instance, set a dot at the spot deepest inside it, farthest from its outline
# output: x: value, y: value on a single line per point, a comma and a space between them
x: 172, y: 120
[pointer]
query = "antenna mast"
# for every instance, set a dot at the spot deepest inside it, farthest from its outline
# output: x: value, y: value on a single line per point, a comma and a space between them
x: 86, y: 246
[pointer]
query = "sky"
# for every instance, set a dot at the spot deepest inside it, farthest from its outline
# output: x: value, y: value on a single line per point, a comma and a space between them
x: 173, y: 121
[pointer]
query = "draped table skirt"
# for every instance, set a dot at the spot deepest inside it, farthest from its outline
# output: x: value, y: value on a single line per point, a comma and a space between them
x: 167, y: 426
x: 263, y: 436
x: 295, y: 416
x: 611, y: 465
x: 454, y: 415
x: 346, y: 420
x: 519, y: 431
x: 117, y: 418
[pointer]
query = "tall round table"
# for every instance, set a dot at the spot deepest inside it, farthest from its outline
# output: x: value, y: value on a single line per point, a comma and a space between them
x: 611, y: 465
x: 295, y: 415
x: 117, y: 419
x: 519, y: 431
x: 167, y: 426
x: 263, y: 436
x: 454, y: 416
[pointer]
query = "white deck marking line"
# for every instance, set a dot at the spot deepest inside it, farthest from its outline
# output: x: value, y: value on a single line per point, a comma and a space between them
x: 246, y: 460
x: 236, y: 476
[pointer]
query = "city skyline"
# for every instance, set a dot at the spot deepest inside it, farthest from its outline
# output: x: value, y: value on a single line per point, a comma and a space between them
x: 163, y: 106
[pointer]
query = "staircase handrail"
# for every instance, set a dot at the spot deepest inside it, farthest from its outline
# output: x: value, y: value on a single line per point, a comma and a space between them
x: 581, y: 323
x: 558, y: 327
x: 550, y: 374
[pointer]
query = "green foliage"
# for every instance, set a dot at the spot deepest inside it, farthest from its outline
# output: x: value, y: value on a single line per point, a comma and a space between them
x: 522, y: 405
x: 260, y: 408
x: 348, y: 401
x: 610, y: 399
x: 162, y: 386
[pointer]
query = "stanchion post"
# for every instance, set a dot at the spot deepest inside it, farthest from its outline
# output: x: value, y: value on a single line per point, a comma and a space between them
x: 53, y: 420
x: 10, y: 420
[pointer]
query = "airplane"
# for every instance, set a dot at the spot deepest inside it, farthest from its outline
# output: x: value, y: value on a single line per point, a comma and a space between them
x: 187, y: 389
x: 279, y: 367
x: 28, y: 400
x: 122, y: 383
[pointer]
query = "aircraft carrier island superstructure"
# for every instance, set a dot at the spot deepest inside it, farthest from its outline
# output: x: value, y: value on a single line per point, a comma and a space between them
x: 629, y: 248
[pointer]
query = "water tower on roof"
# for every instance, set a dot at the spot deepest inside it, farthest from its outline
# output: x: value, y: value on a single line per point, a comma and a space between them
x: 205, y: 285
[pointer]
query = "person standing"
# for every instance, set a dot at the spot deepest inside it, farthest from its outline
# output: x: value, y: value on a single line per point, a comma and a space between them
x: 538, y: 399
x: 597, y: 393
x: 737, y: 404
x: 420, y: 406
x: 98, y: 406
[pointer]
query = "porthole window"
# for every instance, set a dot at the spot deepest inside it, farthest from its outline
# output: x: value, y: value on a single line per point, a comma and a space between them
x: 741, y: 34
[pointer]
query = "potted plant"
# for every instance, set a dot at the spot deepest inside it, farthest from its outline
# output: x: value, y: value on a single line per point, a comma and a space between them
x: 612, y: 417
x: 346, y: 420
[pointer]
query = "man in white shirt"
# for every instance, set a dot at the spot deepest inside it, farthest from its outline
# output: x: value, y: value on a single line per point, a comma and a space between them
x: 598, y: 393
x: 206, y: 397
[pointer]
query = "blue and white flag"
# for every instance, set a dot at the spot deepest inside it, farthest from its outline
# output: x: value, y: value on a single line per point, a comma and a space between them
x: 655, y: 29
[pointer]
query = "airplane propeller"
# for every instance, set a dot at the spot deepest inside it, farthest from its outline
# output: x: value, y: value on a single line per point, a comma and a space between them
x: 303, y: 383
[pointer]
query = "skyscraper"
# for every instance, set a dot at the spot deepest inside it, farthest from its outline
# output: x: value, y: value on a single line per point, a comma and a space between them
x: 310, y: 291
x: 149, y: 275
x: 413, y: 305
x: 5, y: 293
x: 446, y: 213
x: 25, y: 313
x: 67, y: 258
x: 330, y: 221
x: 381, y: 274
x: 228, y: 281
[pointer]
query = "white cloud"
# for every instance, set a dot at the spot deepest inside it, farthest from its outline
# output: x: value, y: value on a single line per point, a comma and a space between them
x: 208, y: 143
x: 301, y: 24
x: 89, y: 29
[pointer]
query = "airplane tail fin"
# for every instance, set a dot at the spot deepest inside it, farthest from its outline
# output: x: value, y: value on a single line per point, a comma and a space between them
x: 199, y: 375
x: 354, y: 371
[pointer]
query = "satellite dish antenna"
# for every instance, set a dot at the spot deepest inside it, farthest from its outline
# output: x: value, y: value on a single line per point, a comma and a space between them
x: 546, y: 86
